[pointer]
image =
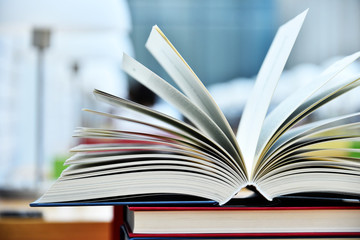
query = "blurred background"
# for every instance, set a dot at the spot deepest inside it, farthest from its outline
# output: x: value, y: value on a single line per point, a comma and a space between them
x: 54, y: 53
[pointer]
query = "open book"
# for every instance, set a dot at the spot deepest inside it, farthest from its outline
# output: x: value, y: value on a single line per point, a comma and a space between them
x: 206, y: 159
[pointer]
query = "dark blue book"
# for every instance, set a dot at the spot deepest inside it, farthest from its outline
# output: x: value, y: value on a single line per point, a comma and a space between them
x: 149, y: 200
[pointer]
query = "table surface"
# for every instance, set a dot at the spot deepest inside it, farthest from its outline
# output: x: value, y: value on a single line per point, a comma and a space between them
x: 19, y: 221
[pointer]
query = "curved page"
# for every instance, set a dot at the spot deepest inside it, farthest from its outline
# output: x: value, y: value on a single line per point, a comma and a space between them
x: 166, y: 91
x: 171, y: 60
x: 291, y: 105
x: 185, y: 128
x: 317, y: 100
x: 257, y: 105
x: 306, y: 130
x: 137, y: 140
x: 139, y: 182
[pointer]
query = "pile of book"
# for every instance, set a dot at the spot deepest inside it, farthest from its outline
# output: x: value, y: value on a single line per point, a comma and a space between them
x: 274, y: 154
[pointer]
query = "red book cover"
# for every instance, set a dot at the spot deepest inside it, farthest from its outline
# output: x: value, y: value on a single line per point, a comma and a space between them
x: 242, y: 208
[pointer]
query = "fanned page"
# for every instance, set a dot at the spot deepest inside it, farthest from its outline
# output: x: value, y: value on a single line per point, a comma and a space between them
x: 294, y: 135
x: 174, y: 64
x: 266, y: 81
x: 170, y: 94
x: 295, y: 168
x: 182, y: 129
x: 182, y: 161
x: 308, y: 140
x: 204, y: 160
x: 297, y: 105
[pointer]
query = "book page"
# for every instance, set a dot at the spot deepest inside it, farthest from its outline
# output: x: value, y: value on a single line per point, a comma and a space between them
x: 183, y: 130
x: 328, y: 174
x: 344, y: 131
x: 302, y: 99
x: 171, y: 60
x: 319, y: 99
x: 137, y: 147
x: 312, y: 147
x: 139, y: 183
x: 91, y: 153
x: 135, y: 140
x: 170, y: 94
x: 266, y: 81
x: 100, y: 164
x: 297, y: 133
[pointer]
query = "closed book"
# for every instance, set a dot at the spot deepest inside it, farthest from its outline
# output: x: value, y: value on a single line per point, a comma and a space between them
x: 244, y: 221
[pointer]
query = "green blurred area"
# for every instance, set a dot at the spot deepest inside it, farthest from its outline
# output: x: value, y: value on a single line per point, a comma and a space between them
x: 355, y: 145
x: 59, y: 165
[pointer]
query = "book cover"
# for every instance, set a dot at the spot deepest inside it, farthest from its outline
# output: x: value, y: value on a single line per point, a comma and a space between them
x: 149, y: 200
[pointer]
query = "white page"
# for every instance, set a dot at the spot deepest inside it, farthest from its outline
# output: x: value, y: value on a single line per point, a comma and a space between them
x: 318, y: 99
x: 136, y: 183
x: 181, y: 164
x: 304, y: 95
x: 183, y: 129
x: 92, y: 153
x: 310, y: 142
x: 194, y: 145
x: 269, y: 74
x: 171, y: 60
x: 170, y: 94
x: 125, y: 149
x: 295, y: 134
x: 311, y: 105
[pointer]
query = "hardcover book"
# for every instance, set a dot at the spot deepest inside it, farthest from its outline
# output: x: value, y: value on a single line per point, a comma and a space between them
x: 205, y: 158
x: 243, y: 221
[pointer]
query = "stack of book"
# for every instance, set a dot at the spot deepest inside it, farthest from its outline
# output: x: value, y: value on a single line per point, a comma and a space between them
x: 271, y: 153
